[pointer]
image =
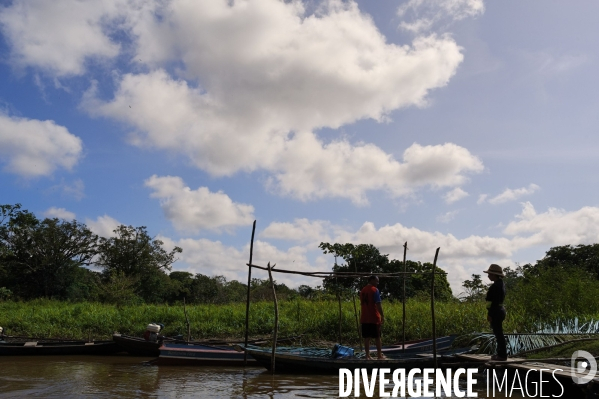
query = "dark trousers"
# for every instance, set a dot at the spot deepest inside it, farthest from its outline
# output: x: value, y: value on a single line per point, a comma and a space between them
x: 497, y: 317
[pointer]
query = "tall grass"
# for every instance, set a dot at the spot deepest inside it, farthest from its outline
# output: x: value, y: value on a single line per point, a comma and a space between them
x: 317, y: 320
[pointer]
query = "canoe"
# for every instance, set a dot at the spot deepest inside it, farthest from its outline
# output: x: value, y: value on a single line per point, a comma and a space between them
x: 201, y: 355
x: 38, y: 348
x: 301, y: 362
x: 417, y: 347
x: 137, y: 346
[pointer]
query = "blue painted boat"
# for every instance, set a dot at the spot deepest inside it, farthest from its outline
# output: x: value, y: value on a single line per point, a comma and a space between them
x: 305, y: 361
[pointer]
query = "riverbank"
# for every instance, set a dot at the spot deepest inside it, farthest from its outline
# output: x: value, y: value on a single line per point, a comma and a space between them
x: 315, y: 320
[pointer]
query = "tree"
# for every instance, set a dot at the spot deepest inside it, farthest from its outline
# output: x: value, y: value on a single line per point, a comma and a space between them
x: 42, y: 258
x: 475, y: 289
x: 583, y: 257
x: 135, y: 254
x: 362, y: 258
x: 366, y: 258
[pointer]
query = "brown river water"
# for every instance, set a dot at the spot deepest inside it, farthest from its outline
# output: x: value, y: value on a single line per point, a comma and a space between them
x: 130, y: 377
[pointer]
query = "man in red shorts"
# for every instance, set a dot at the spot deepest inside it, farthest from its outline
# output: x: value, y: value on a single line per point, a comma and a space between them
x: 372, y: 316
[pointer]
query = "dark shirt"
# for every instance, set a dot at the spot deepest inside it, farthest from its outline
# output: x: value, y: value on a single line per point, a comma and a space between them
x: 496, y: 295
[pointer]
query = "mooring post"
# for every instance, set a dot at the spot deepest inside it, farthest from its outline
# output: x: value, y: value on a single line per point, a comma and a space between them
x: 247, y: 303
x: 433, y: 307
x: 403, y: 300
x: 276, y: 326
x: 355, y: 312
x: 187, y: 321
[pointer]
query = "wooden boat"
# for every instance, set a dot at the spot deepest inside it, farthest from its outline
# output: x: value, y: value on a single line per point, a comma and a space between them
x: 418, y: 347
x: 26, y: 348
x: 302, y: 362
x: 141, y: 347
x: 137, y: 346
x: 201, y: 355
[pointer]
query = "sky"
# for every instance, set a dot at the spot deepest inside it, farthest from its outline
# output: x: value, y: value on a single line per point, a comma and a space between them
x: 467, y: 125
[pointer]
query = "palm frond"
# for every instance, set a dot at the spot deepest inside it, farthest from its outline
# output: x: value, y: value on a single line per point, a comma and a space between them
x: 547, y: 334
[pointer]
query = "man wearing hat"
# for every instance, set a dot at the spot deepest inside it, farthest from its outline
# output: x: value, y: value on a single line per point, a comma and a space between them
x: 496, y: 311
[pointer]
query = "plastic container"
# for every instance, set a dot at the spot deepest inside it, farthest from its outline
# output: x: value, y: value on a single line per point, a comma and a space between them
x: 154, y: 328
x: 340, y: 351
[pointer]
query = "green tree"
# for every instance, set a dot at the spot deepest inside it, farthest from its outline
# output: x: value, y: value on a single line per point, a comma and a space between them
x: 362, y: 258
x: 583, y: 257
x: 475, y: 289
x: 366, y: 258
x: 42, y: 258
x: 134, y: 254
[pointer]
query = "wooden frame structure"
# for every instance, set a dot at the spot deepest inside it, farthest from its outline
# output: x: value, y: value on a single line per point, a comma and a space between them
x: 355, y: 274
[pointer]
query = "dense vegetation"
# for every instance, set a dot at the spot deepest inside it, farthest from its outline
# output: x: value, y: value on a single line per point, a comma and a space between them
x: 65, y: 260
x: 59, y: 279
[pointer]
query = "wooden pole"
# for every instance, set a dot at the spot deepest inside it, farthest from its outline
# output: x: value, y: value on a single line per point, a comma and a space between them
x: 276, y: 326
x: 187, y: 321
x: 339, y: 300
x: 433, y: 308
x: 333, y: 274
x: 247, y: 303
x: 357, y: 323
x: 403, y: 300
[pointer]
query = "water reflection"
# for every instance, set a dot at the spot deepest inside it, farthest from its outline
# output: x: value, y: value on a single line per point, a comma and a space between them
x: 129, y: 377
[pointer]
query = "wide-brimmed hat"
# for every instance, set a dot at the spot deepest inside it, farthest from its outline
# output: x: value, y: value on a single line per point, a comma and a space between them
x: 495, y: 269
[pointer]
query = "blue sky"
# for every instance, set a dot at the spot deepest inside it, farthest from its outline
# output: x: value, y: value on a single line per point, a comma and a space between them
x: 460, y: 124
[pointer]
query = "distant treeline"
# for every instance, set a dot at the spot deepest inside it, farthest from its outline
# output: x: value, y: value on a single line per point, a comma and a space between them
x: 65, y: 260
x: 59, y: 259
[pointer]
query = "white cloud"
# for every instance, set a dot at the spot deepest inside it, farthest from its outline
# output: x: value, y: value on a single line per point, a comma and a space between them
x: 215, y: 258
x: 555, y: 227
x: 460, y: 257
x: 75, y: 190
x: 512, y: 194
x: 482, y: 198
x: 301, y: 230
x: 194, y: 210
x: 300, y: 72
x: 59, y: 35
x: 103, y: 226
x: 422, y: 15
x: 455, y: 195
x: 60, y: 213
x: 33, y: 148
x: 447, y: 217
x: 342, y: 170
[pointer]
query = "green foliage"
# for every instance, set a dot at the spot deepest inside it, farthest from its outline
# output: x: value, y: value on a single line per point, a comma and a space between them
x: 119, y: 289
x: 545, y: 293
x: 42, y: 258
x: 132, y: 253
x: 5, y: 294
x: 366, y: 258
x: 316, y: 319
x: 583, y: 257
x: 475, y: 289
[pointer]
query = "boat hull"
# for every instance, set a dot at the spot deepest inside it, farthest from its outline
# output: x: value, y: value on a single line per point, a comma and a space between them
x: 297, y: 364
x: 58, y: 348
x: 201, y: 355
x: 137, y: 346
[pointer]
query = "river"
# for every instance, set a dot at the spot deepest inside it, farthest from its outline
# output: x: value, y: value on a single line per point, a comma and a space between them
x: 130, y: 377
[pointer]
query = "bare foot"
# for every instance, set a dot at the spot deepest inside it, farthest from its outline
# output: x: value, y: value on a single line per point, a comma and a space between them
x: 368, y: 358
x: 382, y: 357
